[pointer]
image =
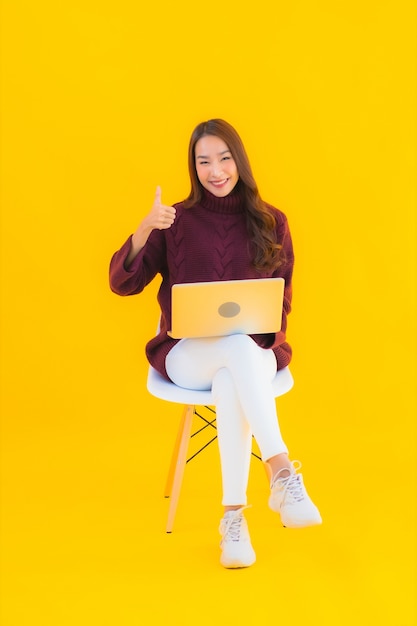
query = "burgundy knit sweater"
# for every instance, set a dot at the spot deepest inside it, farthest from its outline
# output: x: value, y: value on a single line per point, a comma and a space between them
x: 206, y: 242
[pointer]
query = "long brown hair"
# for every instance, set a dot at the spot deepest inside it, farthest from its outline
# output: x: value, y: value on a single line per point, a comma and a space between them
x: 260, y: 220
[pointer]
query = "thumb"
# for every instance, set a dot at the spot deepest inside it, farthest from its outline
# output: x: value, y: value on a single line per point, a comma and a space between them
x: 158, y: 194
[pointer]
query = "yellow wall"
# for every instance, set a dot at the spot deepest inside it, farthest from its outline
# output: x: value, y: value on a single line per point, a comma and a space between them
x: 99, y: 99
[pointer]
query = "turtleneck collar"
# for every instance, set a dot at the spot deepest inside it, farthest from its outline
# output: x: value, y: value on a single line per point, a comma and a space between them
x: 231, y: 203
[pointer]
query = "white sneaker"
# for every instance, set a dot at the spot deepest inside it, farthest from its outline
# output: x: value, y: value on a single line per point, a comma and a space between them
x: 290, y: 499
x: 236, y: 547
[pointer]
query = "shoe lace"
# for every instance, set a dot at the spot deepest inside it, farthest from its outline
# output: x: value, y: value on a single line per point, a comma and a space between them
x: 291, y: 486
x: 231, y: 525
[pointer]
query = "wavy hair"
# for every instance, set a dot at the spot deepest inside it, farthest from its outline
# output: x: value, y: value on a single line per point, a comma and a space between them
x: 267, y: 253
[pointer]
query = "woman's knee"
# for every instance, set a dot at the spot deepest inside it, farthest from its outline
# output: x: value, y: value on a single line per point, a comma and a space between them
x: 241, y: 344
x: 244, y: 355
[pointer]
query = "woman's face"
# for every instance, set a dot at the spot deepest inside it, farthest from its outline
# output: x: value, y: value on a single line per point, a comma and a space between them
x: 216, y: 168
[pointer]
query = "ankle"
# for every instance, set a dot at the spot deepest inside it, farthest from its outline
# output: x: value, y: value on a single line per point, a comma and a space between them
x: 233, y: 507
x: 282, y: 474
x: 279, y: 466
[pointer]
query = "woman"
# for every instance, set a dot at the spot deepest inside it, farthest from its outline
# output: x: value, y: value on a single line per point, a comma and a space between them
x: 223, y: 231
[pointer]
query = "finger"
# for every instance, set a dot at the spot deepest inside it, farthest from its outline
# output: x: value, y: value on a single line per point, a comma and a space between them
x: 167, y: 211
x: 167, y: 217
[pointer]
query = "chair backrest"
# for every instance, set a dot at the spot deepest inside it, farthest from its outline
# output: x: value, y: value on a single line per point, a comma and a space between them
x: 161, y: 388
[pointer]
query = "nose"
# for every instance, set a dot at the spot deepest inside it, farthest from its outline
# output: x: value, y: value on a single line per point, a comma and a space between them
x: 216, y: 170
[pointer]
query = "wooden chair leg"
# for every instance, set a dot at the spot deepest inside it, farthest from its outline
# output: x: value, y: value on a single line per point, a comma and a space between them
x: 177, y: 465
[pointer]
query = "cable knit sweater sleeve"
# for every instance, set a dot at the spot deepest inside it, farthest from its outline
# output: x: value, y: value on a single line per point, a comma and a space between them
x: 150, y: 261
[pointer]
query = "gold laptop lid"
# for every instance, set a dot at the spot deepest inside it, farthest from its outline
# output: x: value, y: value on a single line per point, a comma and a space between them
x: 218, y: 308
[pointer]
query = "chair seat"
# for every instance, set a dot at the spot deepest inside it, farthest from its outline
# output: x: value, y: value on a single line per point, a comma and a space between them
x: 162, y: 388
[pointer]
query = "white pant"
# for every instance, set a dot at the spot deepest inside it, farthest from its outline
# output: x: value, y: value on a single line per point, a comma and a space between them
x: 239, y: 373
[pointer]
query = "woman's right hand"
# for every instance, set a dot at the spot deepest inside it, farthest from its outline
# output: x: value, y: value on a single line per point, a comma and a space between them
x: 161, y: 217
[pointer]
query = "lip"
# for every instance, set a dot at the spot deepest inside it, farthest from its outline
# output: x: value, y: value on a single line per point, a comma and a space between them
x: 219, y: 183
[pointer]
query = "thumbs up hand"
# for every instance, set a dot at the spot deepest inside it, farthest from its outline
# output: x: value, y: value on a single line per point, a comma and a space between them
x: 161, y: 216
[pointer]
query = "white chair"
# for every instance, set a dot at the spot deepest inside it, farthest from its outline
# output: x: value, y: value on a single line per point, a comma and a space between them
x: 166, y: 390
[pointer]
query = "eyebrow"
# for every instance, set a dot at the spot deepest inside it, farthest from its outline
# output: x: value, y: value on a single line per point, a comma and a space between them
x: 201, y: 156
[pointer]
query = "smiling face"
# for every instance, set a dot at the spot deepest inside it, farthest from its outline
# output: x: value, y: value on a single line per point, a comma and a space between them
x: 215, y: 166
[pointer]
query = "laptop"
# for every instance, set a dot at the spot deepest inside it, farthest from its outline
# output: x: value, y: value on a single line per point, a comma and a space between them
x: 226, y: 307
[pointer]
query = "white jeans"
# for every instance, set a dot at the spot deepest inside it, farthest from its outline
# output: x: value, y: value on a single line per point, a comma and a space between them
x: 239, y: 373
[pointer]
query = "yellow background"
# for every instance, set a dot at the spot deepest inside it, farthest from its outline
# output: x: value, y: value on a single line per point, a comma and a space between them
x: 98, y: 102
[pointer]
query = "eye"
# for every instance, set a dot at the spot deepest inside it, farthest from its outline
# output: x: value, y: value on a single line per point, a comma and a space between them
x: 226, y: 158
x: 202, y: 162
